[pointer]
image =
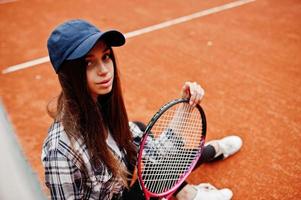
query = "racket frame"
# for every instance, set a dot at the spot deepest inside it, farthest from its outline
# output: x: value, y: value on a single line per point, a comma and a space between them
x: 167, y: 194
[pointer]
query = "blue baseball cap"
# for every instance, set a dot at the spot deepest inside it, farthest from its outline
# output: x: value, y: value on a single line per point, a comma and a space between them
x: 75, y: 38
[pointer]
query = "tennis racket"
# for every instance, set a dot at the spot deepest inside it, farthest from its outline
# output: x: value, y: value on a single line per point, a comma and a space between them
x: 170, y: 147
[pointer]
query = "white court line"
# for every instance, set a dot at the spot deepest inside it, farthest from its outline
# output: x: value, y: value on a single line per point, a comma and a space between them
x: 26, y: 65
x: 142, y: 31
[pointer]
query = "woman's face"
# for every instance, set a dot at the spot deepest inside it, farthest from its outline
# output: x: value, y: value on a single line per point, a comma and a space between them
x: 100, y: 70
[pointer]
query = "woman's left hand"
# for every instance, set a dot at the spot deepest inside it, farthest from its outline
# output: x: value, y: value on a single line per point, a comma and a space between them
x: 192, y: 91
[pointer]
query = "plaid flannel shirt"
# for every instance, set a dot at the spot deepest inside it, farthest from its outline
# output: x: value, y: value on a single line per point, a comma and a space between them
x: 64, y: 159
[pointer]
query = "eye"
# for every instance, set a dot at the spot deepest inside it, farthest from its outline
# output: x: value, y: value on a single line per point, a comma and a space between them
x: 106, y: 57
x: 91, y: 63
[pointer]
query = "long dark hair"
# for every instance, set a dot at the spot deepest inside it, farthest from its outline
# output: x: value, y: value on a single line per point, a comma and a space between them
x: 82, y: 117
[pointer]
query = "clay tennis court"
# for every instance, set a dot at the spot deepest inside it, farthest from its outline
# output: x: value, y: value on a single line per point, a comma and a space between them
x: 247, y: 57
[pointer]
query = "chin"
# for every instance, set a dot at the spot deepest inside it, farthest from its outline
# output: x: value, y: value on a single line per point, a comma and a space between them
x: 106, y: 91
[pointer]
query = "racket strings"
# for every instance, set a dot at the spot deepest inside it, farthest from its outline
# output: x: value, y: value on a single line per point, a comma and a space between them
x: 175, y: 145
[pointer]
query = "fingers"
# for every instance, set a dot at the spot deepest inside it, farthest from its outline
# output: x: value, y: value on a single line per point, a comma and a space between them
x: 193, y: 91
x: 186, y: 90
x: 197, y: 93
x: 193, y: 94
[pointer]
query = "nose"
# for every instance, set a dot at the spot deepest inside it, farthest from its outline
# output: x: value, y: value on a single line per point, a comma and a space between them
x: 102, y: 69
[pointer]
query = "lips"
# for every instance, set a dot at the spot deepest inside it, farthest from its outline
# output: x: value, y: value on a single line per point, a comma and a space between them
x: 105, y: 83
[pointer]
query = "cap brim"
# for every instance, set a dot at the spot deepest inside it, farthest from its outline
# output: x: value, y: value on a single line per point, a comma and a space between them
x: 111, y: 38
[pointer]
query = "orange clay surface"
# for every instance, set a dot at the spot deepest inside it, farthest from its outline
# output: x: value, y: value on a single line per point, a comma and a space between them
x: 248, y: 59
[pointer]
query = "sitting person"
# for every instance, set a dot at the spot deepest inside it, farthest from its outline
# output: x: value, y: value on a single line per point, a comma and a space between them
x: 90, y: 148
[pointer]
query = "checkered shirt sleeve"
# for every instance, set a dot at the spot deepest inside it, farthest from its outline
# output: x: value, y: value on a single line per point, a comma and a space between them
x: 62, y: 176
x: 63, y: 163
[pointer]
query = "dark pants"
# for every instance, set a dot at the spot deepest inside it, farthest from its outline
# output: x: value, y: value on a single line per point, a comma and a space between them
x: 136, y: 193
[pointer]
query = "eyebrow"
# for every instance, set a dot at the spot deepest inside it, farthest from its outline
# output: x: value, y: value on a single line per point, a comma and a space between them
x: 91, y: 55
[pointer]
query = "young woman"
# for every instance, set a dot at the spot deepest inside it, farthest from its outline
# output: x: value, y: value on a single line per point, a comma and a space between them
x: 91, y: 147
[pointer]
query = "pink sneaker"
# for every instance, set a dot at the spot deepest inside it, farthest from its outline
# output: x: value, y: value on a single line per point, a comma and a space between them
x: 206, y: 191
